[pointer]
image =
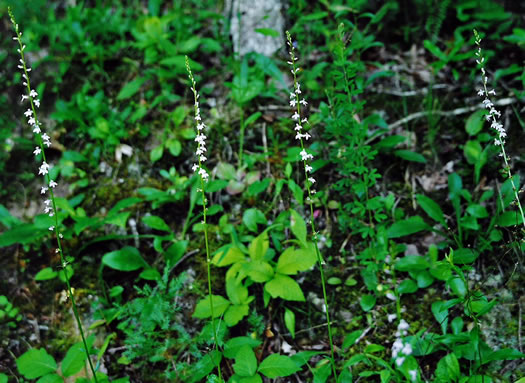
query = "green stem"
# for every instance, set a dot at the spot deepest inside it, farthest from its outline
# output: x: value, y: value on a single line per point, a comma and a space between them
x: 241, y: 138
x: 52, y: 198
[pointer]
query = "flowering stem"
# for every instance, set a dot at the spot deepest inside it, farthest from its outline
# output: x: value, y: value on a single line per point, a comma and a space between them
x: 43, y: 138
x: 492, y: 117
x: 295, y: 102
x: 203, y: 176
x: 241, y: 137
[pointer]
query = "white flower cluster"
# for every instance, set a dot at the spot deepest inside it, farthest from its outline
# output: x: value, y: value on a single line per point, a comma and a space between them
x: 494, y: 114
x: 200, y: 138
x: 32, y: 120
x: 295, y: 102
x: 400, y: 349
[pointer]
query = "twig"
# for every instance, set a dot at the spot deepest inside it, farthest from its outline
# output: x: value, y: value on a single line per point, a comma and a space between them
x: 408, y: 93
x: 449, y: 113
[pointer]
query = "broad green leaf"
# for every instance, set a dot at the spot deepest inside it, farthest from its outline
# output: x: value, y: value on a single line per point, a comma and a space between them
x: 407, y: 227
x: 275, y: 366
x: 126, y: 259
x: 45, y: 274
x: 252, y: 217
x: 448, y: 369
x: 298, y: 226
x: 232, y: 346
x: 131, y: 88
x: 259, y: 271
x: 408, y: 286
x: 293, y: 260
x: 410, y: 156
x: 35, y: 363
x: 282, y: 286
x: 477, y: 210
x: 74, y: 360
x: 440, y: 311
x: 259, y: 246
x: 203, y: 308
x: 245, y: 362
x: 156, y: 153
x: 289, y: 321
x: 205, y: 365
x: 472, y: 151
x: 509, y: 218
x: 503, y: 354
x: 156, y: 223
x: 431, y: 208
x: 51, y: 378
x: 475, y: 122
x: 227, y: 255
x: 367, y: 302
x: 175, y: 252
x: 3, y: 378
x: 235, y: 313
x: 412, y: 263
x: 457, y: 286
x: 463, y: 256
x: 351, y: 338
x: 236, y: 291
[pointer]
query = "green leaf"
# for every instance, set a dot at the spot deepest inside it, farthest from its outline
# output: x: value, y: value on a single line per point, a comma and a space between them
x: 509, y: 218
x: 464, y: 256
x: 289, y: 321
x: 259, y: 271
x: 126, y: 259
x: 156, y: 223
x: 205, y: 365
x: 412, y: 263
x: 275, y: 365
x: 431, y: 208
x: 245, y: 362
x: 3, y: 378
x: 45, y: 274
x: 51, y: 378
x: 293, y: 260
x: 475, y: 122
x: 284, y: 287
x: 407, y: 227
x: 235, y: 313
x: 472, y: 151
x: 457, y: 286
x: 448, y: 368
x: 74, y: 360
x: 203, y: 308
x: 250, y: 120
x: 367, y: 302
x: 227, y: 255
x: 175, y: 252
x: 35, y: 363
x: 131, y: 88
x: 232, y: 346
x: 236, y: 291
x: 351, y: 338
x: 298, y: 226
x: 252, y: 217
x: 267, y: 32
x: 503, y: 354
x: 156, y: 153
x: 410, y: 156
x: 440, y: 311
x: 259, y: 246
x: 408, y: 286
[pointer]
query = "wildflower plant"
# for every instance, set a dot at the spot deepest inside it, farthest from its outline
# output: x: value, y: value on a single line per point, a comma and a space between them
x: 47, y: 189
x: 296, y: 101
x: 203, y: 178
x: 492, y: 117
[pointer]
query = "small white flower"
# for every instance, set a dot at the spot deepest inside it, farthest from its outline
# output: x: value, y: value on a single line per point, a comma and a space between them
x: 51, y: 228
x: 202, y: 158
x: 24, y: 97
x: 52, y: 184
x: 47, y: 202
x: 407, y: 349
x: 194, y: 167
x: 391, y: 317
x: 36, y: 129
x: 295, y: 116
x: 47, y: 143
x: 306, y: 136
x: 28, y: 113
x: 200, y: 126
x: 293, y: 102
x: 44, y: 169
x: 33, y: 94
x: 37, y: 151
x: 43, y: 190
x: 31, y: 121
x: 298, y: 127
x: 308, y: 168
x: 413, y: 375
x: 303, y: 101
x: 37, y: 103
x: 399, y: 361
x: 45, y: 137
